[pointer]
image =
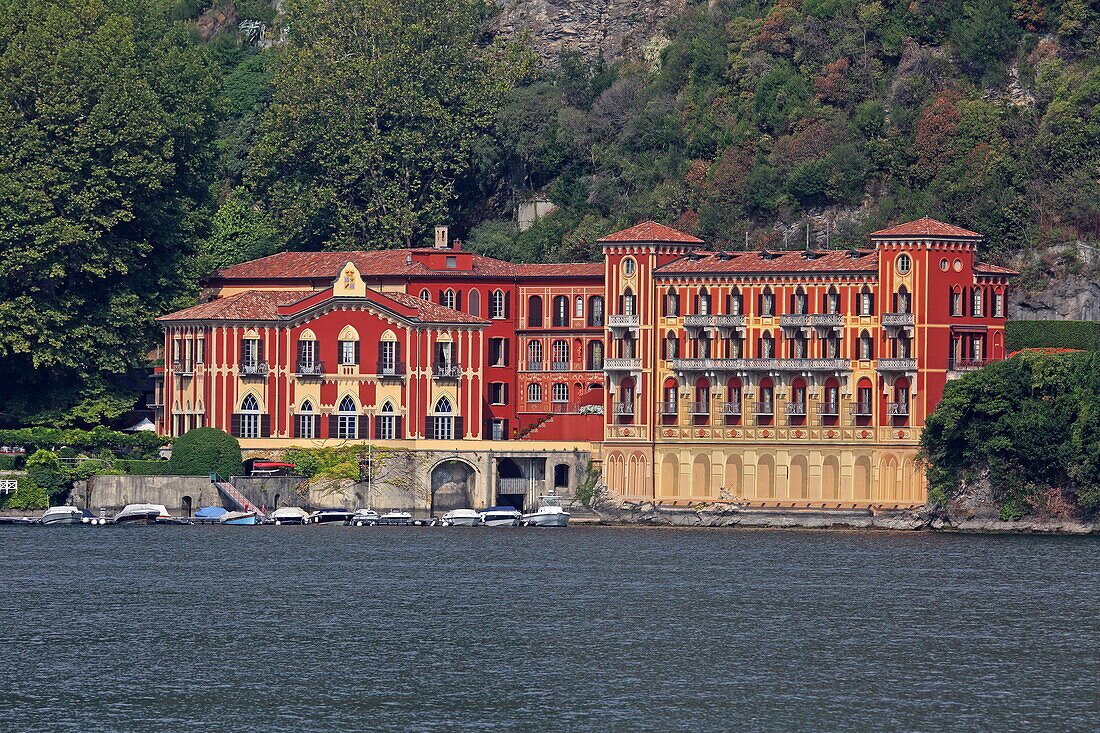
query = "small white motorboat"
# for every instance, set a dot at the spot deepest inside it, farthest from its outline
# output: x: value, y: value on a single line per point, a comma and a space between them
x: 550, y: 513
x: 143, y: 514
x: 289, y: 515
x: 396, y: 516
x: 364, y: 516
x: 500, y: 516
x: 461, y: 518
x: 63, y: 515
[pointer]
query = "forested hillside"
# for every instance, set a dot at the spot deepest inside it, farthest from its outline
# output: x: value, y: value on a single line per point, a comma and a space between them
x: 148, y: 141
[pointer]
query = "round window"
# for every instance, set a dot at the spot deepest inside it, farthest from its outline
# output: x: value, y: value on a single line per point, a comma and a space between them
x: 628, y: 267
x: 904, y: 264
x: 944, y: 264
x: 958, y: 265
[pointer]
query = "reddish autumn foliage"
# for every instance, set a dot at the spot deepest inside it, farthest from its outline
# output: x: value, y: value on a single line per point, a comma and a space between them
x: 936, y: 131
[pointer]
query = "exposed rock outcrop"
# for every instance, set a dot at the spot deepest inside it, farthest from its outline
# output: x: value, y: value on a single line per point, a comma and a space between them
x: 1072, y: 298
x: 613, y: 28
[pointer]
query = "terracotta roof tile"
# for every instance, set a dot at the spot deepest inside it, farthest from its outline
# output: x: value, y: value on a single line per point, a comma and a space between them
x: 984, y: 268
x: 651, y: 231
x: 925, y: 228
x: 251, y: 305
x: 561, y: 269
x: 379, y: 263
x: 757, y: 261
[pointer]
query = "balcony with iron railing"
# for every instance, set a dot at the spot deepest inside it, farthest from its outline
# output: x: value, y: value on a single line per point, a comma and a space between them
x: 898, y: 319
x: 966, y: 364
x: 622, y: 408
x: 446, y: 370
x: 730, y: 408
x: 310, y: 369
x: 253, y: 369
x: 763, y: 408
x: 559, y: 366
x: 730, y: 320
x: 767, y: 364
x: 667, y: 408
x: 622, y: 365
x: 794, y: 320
x: 897, y: 409
x: 896, y: 364
x: 620, y: 320
x: 534, y: 366
x: 861, y: 409
x: 701, y: 320
x: 826, y: 320
x: 183, y: 367
x: 699, y: 408
x: 828, y: 409
x: 796, y: 409
x: 386, y: 368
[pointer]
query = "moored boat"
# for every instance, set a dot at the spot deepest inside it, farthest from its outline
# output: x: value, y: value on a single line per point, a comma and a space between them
x: 461, y: 518
x: 245, y: 517
x: 142, y: 514
x: 550, y: 513
x: 329, y: 516
x: 63, y: 515
x: 289, y: 515
x: 500, y: 516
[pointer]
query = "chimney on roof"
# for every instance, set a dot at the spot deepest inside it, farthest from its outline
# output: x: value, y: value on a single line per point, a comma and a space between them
x: 442, y: 237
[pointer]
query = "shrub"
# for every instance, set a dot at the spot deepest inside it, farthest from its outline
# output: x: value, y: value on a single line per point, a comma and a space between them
x: 28, y: 496
x: 204, y: 451
x: 45, y: 471
x: 1052, y: 334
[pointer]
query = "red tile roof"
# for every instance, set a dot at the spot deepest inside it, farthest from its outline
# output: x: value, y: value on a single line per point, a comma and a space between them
x: 651, y: 231
x: 562, y: 269
x: 251, y: 305
x: 263, y: 305
x: 984, y: 268
x: 925, y: 228
x: 757, y: 261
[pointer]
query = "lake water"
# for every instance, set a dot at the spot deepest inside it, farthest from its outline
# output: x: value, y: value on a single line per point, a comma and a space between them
x: 588, y: 628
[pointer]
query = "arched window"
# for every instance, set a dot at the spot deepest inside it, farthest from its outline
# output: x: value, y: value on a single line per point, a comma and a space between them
x: 595, y: 356
x: 977, y: 296
x: 443, y: 420
x: 534, y: 356
x: 534, y: 311
x: 347, y: 419
x: 902, y: 301
x: 866, y: 346
x: 498, y: 307
x: 702, y: 302
x: 832, y: 300
x: 425, y: 295
x: 736, y: 302
x: 559, y: 356
x: 561, y: 310
x: 671, y: 403
x: 672, y: 346
x: 595, y: 312
x: 578, y: 307
x: 767, y: 303
x: 798, y: 301
x: 250, y: 417
x: 626, y: 301
x: 307, y: 421
x: 672, y: 303
x: 307, y: 353
x: 559, y: 392
x: 348, y: 347
x: 449, y: 300
x: 389, y: 356
x: 534, y: 392
x: 475, y: 303
x: 866, y: 302
x: 998, y: 305
x: 702, y: 346
x: 386, y: 423
x: 702, y: 398
x: 767, y: 346
x: 956, y: 301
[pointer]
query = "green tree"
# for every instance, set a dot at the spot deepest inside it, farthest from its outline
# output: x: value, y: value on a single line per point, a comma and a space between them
x: 28, y: 496
x: 204, y: 451
x: 241, y: 232
x: 377, y: 106
x: 45, y: 470
x: 107, y: 114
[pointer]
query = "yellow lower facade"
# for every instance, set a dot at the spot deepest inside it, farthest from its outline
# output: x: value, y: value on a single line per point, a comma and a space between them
x: 762, y: 473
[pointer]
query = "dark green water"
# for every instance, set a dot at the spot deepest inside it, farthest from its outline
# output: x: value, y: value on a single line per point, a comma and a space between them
x: 326, y: 628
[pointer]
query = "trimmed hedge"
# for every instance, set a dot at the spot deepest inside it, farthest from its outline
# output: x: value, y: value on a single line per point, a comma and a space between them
x: 203, y: 451
x: 144, y: 468
x: 1052, y: 334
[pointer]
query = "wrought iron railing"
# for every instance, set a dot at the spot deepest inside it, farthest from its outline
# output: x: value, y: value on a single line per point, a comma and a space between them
x: 898, y: 319
x: 763, y: 408
x: 861, y: 409
x: 896, y: 409
x: 796, y: 408
x: 183, y: 367
x: 534, y: 365
x: 390, y: 368
x: 446, y: 370
x: 622, y: 408
x: 310, y: 369
x: 253, y: 369
x: 559, y: 366
x: 667, y: 408
x: 699, y: 408
x: 828, y: 409
x: 894, y: 364
x: 730, y: 408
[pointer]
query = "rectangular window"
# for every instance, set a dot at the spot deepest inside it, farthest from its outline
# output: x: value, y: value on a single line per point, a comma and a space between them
x: 578, y: 310
x: 628, y: 305
x: 387, y: 429
x: 498, y: 393
x: 444, y: 428
x: 346, y: 426
x: 866, y: 304
x: 251, y: 355
x: 832, y: 303
x: 498, y: 352
x: 998, y: 305
x: 452, y: 263
x: 976, y: 298
x: 200, y: 350
x: 956, y: 303
x: 306, y: 425
x: 347, y: 353
x: 250, y: 425
x: 767, y: 305
x: 307, y: 354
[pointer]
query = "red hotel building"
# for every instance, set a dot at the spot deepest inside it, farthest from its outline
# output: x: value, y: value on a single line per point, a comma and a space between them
x: 768, y: 377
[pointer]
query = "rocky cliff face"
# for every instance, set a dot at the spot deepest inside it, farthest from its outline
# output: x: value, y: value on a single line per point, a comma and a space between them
x: 1068, y: 299
x: 613, y: 28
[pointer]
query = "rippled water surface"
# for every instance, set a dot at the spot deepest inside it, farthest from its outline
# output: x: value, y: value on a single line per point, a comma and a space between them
x: 334, y: 628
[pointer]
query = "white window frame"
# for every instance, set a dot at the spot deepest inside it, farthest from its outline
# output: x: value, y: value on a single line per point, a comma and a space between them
x: 534, y: 392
